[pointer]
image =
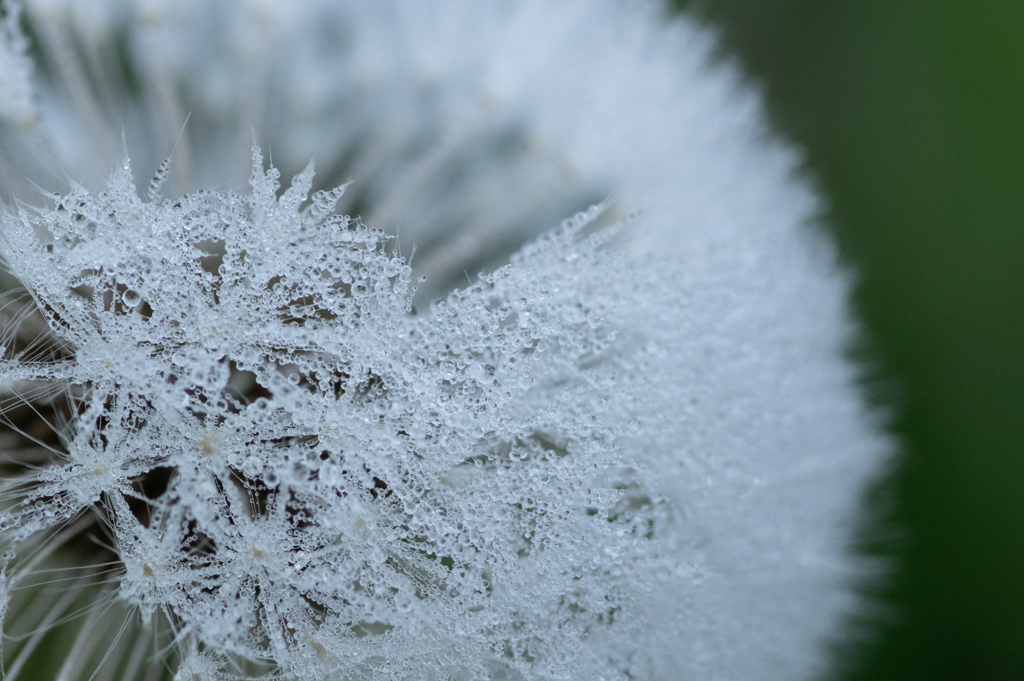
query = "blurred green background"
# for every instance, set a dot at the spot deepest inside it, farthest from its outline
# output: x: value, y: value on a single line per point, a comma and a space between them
x: 911, y: 113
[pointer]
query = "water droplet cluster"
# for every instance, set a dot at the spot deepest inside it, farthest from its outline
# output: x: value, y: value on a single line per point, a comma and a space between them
x: 348, y: 487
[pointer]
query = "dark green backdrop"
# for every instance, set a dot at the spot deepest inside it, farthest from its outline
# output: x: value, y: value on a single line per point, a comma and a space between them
x: 912, y: 116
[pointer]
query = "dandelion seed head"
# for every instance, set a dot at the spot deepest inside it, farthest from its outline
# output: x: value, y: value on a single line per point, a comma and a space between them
x: 628, y: 448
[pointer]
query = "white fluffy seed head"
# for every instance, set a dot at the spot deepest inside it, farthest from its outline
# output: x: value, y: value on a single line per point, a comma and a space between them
x: 628, y: 449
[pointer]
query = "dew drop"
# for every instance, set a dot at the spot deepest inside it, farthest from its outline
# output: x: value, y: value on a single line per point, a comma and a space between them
x: 131, y: 298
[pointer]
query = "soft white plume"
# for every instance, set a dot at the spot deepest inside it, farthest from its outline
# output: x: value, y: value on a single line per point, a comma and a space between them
x: 15, y: 69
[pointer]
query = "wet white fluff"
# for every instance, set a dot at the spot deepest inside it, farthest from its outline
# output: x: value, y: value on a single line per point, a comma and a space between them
x: 15, y: 70
x: 633, y: 451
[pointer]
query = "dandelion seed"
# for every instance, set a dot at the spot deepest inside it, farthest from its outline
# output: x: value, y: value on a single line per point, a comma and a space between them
x: 628, y: 448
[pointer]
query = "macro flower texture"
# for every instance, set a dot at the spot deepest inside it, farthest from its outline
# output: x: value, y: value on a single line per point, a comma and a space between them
x: 534, y: 370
